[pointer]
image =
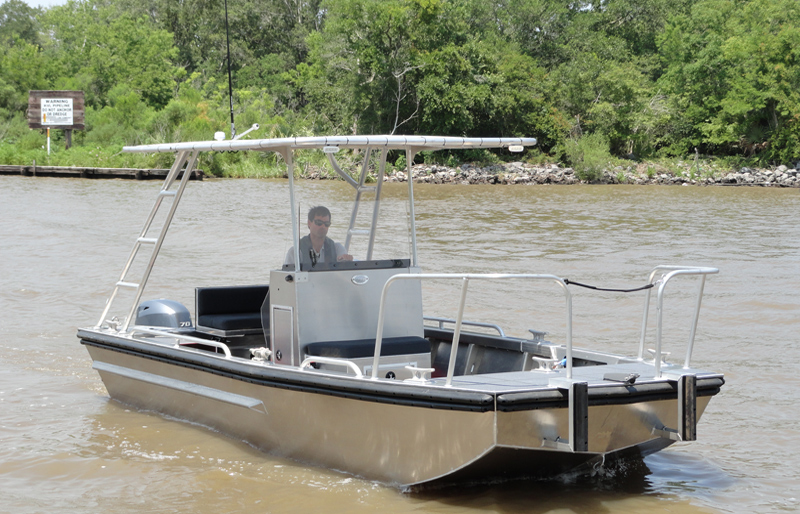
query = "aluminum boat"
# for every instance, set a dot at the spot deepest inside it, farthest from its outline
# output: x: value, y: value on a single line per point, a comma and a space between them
x: 337, y: 364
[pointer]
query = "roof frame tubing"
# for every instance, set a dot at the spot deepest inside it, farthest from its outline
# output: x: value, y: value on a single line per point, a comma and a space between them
x: 361, y: 187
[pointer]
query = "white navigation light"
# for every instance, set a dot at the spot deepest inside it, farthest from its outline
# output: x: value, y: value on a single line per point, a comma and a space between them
x: 219, y: 136
x: 516, y: 148
x: 330, y: 149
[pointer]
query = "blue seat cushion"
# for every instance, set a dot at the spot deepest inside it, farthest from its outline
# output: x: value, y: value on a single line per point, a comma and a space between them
x: 359, y: 348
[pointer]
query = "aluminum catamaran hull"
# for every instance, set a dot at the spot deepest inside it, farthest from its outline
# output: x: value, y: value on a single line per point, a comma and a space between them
x: 336, y: 364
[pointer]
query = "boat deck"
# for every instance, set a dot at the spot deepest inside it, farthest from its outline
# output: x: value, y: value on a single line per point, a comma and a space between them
x: 594, y: 375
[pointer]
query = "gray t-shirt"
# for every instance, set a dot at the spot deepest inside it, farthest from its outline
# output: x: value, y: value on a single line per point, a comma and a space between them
x: 320, y: 256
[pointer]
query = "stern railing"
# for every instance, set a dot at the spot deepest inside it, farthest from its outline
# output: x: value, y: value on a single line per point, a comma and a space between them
x: 670, y: 272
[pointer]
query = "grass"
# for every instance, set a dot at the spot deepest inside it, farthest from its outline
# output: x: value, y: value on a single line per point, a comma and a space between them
x: 95, y: 157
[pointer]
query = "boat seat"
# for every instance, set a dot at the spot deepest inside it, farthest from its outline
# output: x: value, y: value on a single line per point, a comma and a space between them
x: 359, y: 348
x: 230, y: 311
x: 232, y: 321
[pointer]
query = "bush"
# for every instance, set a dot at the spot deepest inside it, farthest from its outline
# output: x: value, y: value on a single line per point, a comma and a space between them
x: 589, y: 156
x: 401, y: 163
x: 454, y: 158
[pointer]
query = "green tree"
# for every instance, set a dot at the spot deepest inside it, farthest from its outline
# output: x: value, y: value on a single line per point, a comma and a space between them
x: 456, y: 89
x: 367, y: 53
x: 97, y: 48
x: 18, y: 21
x: 23, y: 67
x: 733, y: 69
x: 422, y: 66
x: 258, y: 28
x: 639, y: 22
x: 538, y: 26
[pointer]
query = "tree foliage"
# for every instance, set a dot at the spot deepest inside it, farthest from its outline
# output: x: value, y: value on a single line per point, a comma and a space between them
x: 19, y: 21
x: 733, y: 69
x: 642, y: 77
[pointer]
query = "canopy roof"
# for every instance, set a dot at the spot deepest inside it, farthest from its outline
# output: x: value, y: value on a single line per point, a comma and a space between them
x: 416, y: 143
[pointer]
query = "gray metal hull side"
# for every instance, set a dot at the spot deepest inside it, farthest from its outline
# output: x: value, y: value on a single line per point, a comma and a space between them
x: 286, y: 377
x: 611, y: 427
x: 396, y: 444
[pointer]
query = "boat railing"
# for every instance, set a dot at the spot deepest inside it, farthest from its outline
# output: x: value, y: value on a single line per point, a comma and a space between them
x: 668, y: 273
x: 333, y: 361
x: 465, y: 278
x: 441, y: 322
x: 181, y: 339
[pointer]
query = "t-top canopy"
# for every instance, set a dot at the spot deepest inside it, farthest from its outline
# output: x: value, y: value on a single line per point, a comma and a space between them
x: 415, y: 143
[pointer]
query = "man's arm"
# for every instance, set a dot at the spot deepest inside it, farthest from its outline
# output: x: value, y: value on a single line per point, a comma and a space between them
x: 289, y: 259
x: 341, y: 253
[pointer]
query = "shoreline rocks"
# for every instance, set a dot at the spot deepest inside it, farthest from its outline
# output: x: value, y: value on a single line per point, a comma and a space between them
x: 519, y: 173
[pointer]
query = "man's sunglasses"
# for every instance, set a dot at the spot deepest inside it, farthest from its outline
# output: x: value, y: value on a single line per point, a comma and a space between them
x: 319, y: 223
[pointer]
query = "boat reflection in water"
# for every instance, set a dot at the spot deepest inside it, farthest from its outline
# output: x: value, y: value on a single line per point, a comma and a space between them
x: 336, y: 364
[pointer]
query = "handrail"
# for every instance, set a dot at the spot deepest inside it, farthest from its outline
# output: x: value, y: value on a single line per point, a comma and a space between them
x: 182, y: 338
x: 465, y: 278
x: 442, y: 321
x: 671, y: 272
x: 334, y: 361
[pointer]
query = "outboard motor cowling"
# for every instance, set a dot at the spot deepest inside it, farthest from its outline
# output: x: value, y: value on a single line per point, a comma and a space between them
x: 164, y: 313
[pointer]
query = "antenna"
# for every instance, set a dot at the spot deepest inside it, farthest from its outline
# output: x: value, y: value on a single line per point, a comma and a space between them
x: 230, y: 82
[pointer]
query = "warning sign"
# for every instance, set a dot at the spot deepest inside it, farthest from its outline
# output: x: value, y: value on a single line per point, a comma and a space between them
x: 56, y: 111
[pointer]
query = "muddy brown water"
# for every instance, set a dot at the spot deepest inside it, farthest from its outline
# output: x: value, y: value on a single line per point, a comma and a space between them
x: 66, y: 447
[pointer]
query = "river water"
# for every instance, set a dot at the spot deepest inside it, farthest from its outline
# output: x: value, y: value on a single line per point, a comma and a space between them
x: 65, y: 446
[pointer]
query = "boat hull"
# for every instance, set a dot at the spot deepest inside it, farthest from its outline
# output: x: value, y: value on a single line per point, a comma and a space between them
x: 392, y: 442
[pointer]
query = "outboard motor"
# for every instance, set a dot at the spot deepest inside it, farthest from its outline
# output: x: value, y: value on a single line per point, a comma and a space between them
x: 164, y: 313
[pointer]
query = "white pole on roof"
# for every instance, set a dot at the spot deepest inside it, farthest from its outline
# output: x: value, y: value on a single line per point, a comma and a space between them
x: 412, y: 223
x: 377, y: 205
x: 288, y: 155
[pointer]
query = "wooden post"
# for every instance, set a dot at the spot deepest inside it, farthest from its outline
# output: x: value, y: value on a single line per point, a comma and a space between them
x: 68, y: 138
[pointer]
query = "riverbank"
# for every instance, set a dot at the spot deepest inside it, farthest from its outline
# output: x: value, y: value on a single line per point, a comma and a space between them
x: 516, y: 173
x: 92, y: 172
